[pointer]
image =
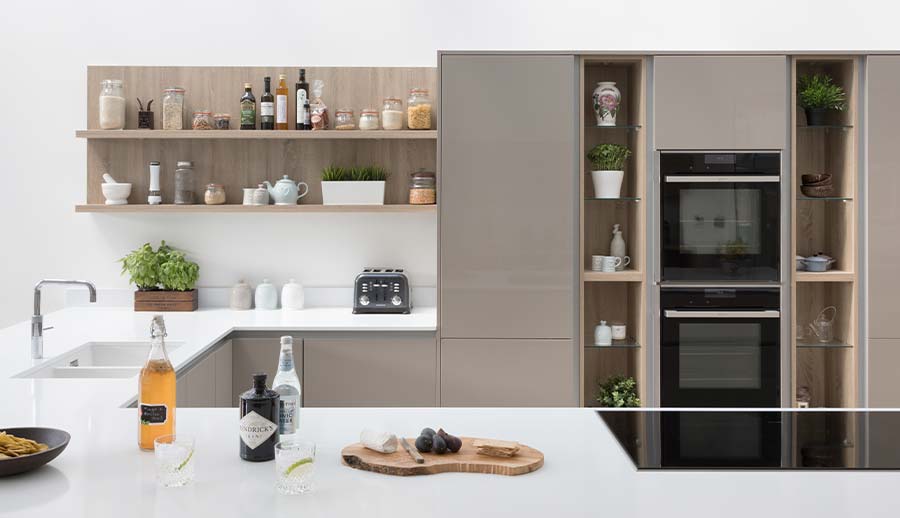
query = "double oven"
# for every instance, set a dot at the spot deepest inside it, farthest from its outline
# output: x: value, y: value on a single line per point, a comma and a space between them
x: 720, y: 252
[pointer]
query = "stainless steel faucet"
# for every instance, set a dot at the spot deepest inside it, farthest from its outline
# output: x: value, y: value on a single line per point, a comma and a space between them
x: 37, y: 320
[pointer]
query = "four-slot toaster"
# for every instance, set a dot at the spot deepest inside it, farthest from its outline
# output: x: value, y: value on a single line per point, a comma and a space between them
x: 381, y: 290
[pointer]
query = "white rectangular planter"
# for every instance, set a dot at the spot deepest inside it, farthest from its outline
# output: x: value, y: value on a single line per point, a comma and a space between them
x: 353, y: 193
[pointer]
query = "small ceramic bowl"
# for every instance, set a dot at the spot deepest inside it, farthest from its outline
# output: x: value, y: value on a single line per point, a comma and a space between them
x: 116, y: 193
x: 814, y: 179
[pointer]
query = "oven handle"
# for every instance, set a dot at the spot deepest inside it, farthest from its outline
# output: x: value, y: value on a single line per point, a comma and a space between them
x: 767, y: 313
x: 722, y: 179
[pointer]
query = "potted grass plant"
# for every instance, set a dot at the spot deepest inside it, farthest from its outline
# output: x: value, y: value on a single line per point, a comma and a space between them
x: 165, y: 279
x: 353, y: 186
x: 817, y: 95
x: 608, y: 161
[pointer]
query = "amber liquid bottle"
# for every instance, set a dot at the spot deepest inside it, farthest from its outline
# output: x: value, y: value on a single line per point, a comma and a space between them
x: 156, y: 394
x: 281, y: 103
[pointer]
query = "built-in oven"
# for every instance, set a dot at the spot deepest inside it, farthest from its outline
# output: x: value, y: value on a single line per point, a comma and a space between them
x: 720, y: 347
x: 721, y: 439
x: 720, y: 216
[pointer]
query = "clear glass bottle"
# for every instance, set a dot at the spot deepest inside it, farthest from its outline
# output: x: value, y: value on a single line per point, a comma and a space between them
x: 258, y: 426
x: 418, y: 109
x: 202, y: 120
x: 392, y: 114
x: 156, y: 390
x: 184, y: 183
x: 173, y: 108
x: 368, y: 120
x: 287, y: 384
x: 112, y: 104
x: 343, y: 120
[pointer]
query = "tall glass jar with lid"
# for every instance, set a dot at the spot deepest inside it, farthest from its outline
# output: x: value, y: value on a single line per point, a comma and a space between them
x: 418, y: 109
x: 173, y: 108
x: 184, y: 183
x: 392, y: 114
x: 112, y: 104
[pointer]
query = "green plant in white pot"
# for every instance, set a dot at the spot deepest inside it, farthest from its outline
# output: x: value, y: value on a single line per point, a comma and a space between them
x: 608, y: 161
x: 353, y: 186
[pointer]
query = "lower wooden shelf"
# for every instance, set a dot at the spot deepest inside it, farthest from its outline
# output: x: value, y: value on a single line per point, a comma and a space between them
x: 246, y: 209
x: 622, y: 276
x: 829, y: 276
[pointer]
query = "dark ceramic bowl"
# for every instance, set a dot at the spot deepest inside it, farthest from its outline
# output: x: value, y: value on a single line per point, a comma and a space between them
x: 822, y: 191
x: 814, y: 179
x: 56, y: 441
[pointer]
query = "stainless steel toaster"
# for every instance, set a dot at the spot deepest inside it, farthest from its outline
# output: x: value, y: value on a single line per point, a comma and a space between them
x: 381, y: 290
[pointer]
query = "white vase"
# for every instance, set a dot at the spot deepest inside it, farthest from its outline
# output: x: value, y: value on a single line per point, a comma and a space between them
x: 607, y: 184
x: 353, y: 193
x: 266, y: 295
x: 606, y: 103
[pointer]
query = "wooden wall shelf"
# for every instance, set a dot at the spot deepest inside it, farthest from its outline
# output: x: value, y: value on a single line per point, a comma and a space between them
x: 248, y: 209
x: 135, y: 134
x: 622, y: 276
x: 829, y: 276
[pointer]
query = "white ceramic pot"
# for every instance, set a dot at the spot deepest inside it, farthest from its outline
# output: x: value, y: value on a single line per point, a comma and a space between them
x: 607, y: 184
x: 353, y: 193
x: 241, y: 296
x: 606, y: 100
x: 292, y: 296
x: 266, y: 295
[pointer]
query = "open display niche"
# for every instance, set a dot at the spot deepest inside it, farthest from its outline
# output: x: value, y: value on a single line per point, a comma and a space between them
x: 828, y: 370
x: 617, y: 297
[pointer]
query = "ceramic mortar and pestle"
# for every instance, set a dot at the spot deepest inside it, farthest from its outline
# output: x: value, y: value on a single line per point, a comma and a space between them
x: 115, y: 193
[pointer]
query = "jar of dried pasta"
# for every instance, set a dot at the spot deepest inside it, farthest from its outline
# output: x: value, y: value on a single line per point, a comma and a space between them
x: 418, y: 109
x: 422, y: 188
x: 202, y: 120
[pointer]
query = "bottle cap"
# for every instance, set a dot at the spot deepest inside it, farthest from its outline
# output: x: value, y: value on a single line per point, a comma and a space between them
x: 259, y: 380
x: 287, y: 340
x: 247, y: 85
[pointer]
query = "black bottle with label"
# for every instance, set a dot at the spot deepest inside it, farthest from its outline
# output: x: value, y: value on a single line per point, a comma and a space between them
x: 259, y: 421
x: 301, y: 92
x: 248, y: 108
x: 267, y: 107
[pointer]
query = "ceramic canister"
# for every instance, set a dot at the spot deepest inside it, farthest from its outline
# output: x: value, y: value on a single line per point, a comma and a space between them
x: 292, y: 295
x: 266, y: 295
x: 241, y: 296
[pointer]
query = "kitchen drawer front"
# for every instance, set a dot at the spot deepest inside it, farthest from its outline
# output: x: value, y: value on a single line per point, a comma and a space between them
x: 720, y: 102
x: 370, y: 370
x: 508, y: 373
x: 508, y: 196
x: 884, y: 362
x: 252, y: 354
x: 883, y: 83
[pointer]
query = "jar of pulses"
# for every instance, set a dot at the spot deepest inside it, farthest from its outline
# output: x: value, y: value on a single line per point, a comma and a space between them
x: 368, y: 120
x: 418, y: 109
x: 392, y: 114
x: 422, y: 190
x: 173, y: 108
x: 343, y: 120
x: 202, y: 121
x: 222, y: 121
x: 215, y: 194
x: 112, y: 104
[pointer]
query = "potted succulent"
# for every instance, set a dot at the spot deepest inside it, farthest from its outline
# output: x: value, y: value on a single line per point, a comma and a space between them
x: 608, y: 161
x: 618, y: 391
x: 165, y: 279
x: 817, y: 94
x: 353, y: 186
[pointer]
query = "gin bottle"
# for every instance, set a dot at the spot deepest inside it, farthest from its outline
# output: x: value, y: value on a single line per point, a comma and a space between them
x: 259, y: 418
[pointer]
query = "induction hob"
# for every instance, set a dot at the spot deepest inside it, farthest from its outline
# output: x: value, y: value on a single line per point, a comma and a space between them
x: 764, y: 439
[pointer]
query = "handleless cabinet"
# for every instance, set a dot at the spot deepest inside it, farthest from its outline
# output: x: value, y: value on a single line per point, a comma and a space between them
x: 508, y: 196
x: 720, y: 102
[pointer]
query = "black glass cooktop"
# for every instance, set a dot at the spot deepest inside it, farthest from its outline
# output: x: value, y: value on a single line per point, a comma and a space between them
x: 739, y: 439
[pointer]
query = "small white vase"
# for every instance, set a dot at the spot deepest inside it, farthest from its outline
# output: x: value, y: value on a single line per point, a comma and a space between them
x: 266, y: 295
x: 606, y: 100
x: 602, y: 334
x: 617, y: 246
x: 607, y: 184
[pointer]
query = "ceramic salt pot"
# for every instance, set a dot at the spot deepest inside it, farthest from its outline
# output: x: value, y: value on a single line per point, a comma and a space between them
x: 292, y: 295
x: 602, y: 334
x: 241, y: 296
x: 266, y: 295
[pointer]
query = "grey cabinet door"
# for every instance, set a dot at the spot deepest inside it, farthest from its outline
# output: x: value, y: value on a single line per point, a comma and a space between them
x: 884, y: 361
x: 720, y: 102
x: 364, y: 370
x: 508, y: 196
x: 883, y: 85
x: 505, y: 373
x: 252, y: 354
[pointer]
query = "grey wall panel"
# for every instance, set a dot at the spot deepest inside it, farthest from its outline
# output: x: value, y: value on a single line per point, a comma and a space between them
x: 884, y: 361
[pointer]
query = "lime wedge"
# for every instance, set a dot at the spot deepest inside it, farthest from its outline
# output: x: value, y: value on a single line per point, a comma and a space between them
x: 306, y: 460
x: 185, y: 461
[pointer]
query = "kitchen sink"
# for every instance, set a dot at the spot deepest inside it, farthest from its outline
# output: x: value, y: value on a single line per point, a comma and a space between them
x: 97, y: 360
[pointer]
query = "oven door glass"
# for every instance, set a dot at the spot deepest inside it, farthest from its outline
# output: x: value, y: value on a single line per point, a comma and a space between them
x: 721, y: 439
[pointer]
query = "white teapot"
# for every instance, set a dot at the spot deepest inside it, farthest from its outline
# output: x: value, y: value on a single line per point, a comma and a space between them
x: 285, y: 191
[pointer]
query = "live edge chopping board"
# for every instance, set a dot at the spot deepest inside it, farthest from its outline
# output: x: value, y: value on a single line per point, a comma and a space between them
x: 399, y: 463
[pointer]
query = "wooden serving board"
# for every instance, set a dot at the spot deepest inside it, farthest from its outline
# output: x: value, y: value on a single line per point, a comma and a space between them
x: 464, y: 461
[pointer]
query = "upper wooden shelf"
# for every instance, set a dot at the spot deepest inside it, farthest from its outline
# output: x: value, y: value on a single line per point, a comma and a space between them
x: 257, y: 209
x: 829, y: 276
x: 136, y: 134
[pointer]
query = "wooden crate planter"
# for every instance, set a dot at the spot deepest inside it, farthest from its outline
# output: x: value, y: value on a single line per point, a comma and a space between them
x: 160, y: 300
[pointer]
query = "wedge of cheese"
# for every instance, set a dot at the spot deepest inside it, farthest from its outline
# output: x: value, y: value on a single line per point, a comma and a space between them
x: 495, y: 448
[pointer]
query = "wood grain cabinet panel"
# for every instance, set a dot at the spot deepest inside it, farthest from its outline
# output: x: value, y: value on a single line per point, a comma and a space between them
x: 884, y: 359
x: 720, y: 102
x: 508, y: 196
x: 508, y: 373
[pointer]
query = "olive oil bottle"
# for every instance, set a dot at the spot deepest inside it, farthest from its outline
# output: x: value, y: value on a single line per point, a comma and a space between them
x: 156, y: 391
x: 248, y: 108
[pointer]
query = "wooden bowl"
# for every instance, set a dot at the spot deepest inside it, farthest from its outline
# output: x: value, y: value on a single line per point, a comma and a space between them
x: 817, y: 191
x: 811, y: 179
x: 56, y: 441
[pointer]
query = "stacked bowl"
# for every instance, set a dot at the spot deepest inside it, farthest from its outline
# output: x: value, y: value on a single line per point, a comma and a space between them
x: 817, y: 185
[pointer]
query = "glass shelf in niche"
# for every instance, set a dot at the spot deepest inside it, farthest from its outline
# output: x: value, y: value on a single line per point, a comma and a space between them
x: 823, y: 345
x: 628, y: 343
x: 824, y: 198
x: 626, y: 127
x: 620, y: 198
x: 825, y: 127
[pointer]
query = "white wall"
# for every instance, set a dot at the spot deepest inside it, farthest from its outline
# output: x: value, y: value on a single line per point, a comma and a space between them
x: 45, y: 47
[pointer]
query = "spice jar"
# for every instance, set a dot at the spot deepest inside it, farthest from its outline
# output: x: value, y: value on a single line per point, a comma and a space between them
x: 215, y: 194
x: 222, y: 121
x: 422, y: 190
x: 392, y: 114
x: 202, y: 121
x: 184, y: 183
x: 418, y: 109
x: 343, y: 120
x: 112, y: 104
x: 173, y: 108
x: 368, y: 120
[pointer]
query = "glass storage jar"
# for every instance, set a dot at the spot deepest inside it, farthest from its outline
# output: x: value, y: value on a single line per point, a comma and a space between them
x: 368, y: 120
x: 343, y: 120
x: 173, y: 108
x: 112, y: 104
x: 422, y: 188
x: 215, y: 194
x: 222, y: 121
x: 418, y: 109
x: 202, y: 121
x: 392, y: 114
x: 184, y: 183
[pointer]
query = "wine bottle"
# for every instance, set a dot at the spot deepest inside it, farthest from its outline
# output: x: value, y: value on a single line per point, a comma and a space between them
x: 301, y: 89
x: 267, y: 107
x: 281, y: 103
x: 156, y: 390
x: 287, y: 384
x: 259, y: 415
x: 248, y: 108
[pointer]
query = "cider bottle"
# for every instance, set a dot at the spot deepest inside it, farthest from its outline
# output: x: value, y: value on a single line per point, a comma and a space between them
x: 156, y: 393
